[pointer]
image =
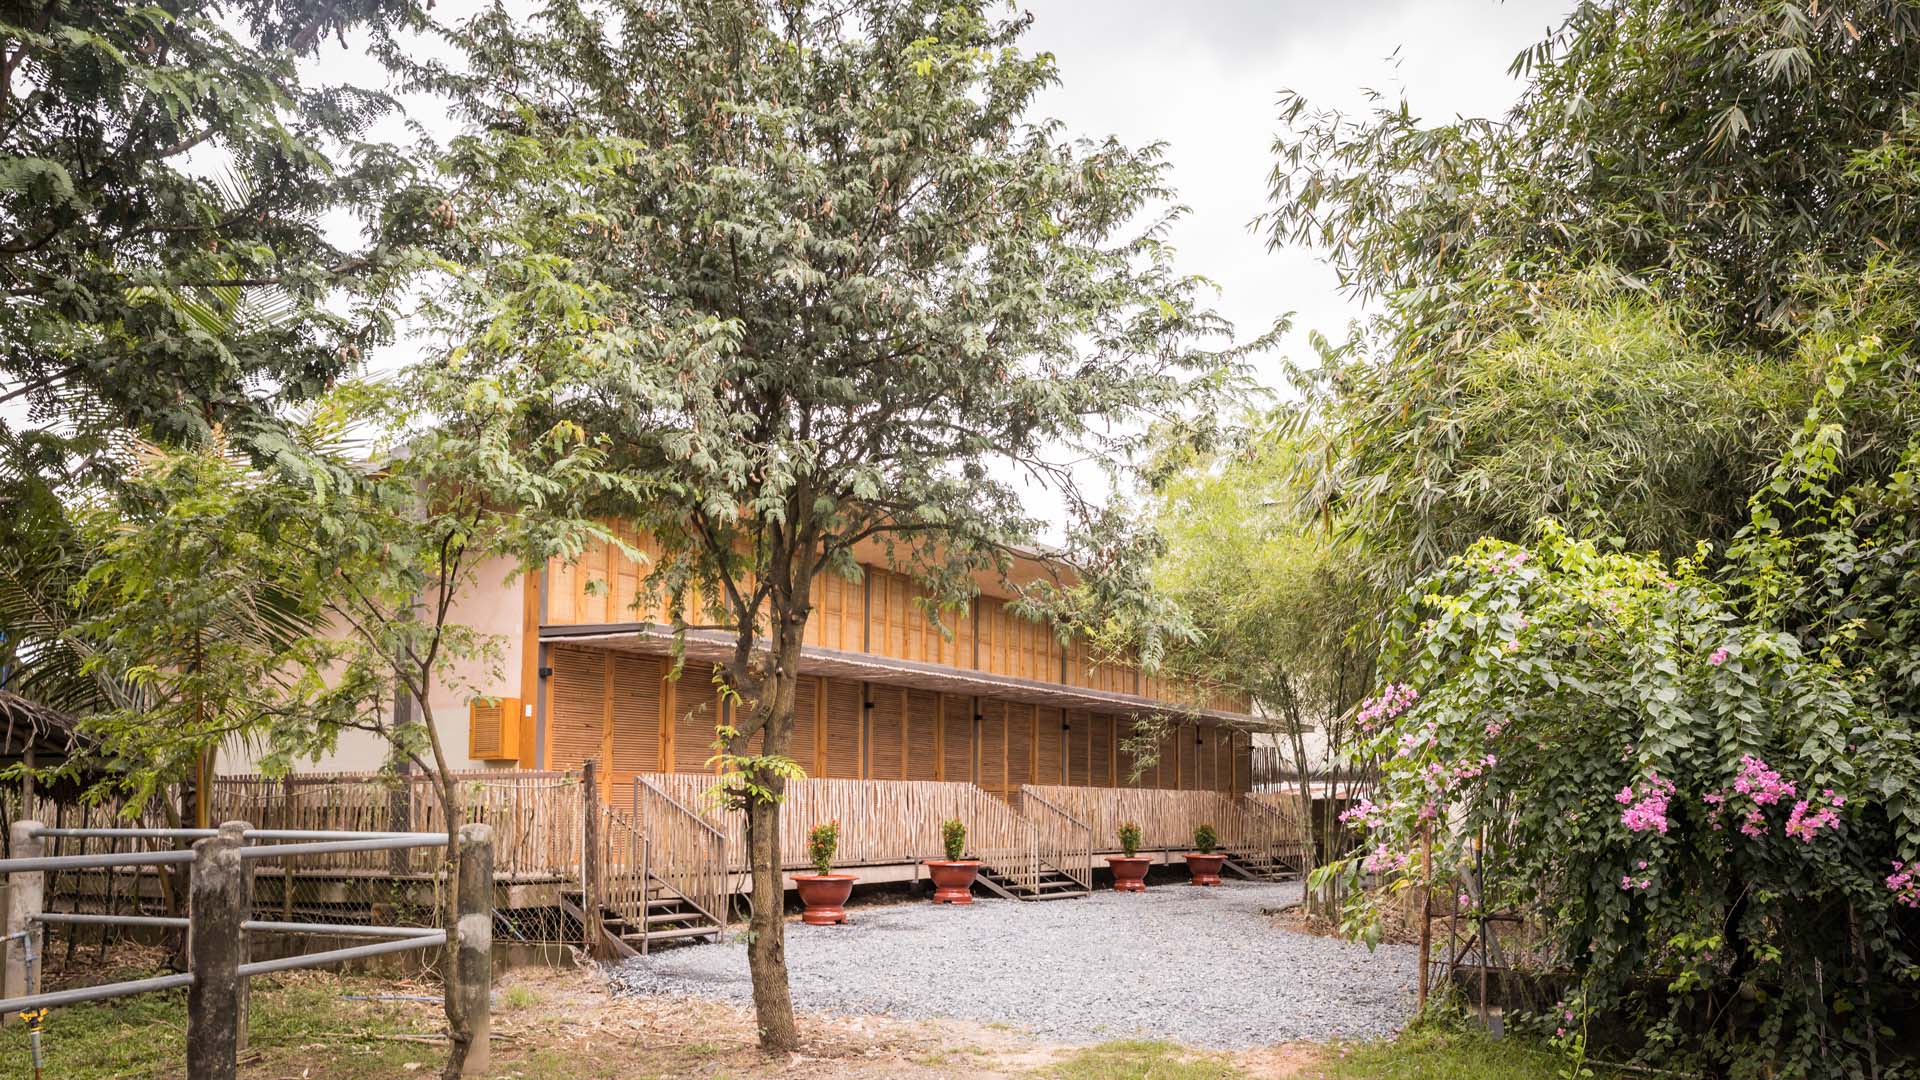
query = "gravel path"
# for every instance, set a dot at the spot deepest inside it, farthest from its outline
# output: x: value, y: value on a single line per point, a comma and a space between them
x: 1199, y: 966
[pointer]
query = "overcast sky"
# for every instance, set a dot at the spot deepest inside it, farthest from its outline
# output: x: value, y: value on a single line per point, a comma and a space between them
x: 1203, y: 77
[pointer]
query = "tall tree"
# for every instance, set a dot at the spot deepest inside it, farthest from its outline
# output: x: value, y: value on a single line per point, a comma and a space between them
x: 908, y: 297
x: 1589, y: 306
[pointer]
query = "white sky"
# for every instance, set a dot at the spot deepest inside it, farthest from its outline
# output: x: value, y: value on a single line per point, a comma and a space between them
x: 1203, y: 76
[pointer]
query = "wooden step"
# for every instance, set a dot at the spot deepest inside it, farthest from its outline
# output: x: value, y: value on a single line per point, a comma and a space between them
x: 677, y: 932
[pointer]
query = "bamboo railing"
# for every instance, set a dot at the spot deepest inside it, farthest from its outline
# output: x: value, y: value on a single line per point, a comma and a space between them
x: 684, y: 851
x: 882, y: 822
x: 623, y: 867
x: 1167, y: 819
x: 1064, y: 841
x: 536, y: 816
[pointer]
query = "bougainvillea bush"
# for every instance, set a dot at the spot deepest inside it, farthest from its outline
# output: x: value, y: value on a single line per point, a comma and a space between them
x: 1715, y: 826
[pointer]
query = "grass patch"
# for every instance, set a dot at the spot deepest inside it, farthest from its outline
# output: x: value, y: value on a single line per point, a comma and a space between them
x: 1433, y: 1054
x: 292, y: 1021
x: 1138, y: 1060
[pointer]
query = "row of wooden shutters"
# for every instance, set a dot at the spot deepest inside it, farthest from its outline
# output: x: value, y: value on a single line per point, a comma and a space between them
x: 609, y: 706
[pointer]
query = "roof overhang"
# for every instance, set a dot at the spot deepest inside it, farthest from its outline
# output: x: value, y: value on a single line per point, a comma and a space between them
x: 717, y: 646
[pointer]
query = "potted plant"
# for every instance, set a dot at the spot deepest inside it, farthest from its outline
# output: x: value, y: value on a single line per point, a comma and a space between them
x: 823, y: 891
x: 1129, y: 870
x: 1202, y: 863
x: 953, y: 876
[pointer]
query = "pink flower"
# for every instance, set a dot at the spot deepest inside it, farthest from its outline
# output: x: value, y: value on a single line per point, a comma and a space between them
x: 1650, y: 812
x: 1719, y: 656
x: 1906, y: 890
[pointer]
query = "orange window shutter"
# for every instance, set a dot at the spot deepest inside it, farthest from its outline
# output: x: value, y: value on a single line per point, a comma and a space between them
x: 1049, y: 752
x: 696, y: 710
x: 1100, y: 756
x: 493, y: 729
x: 957, y: 739
x: 923, y: 717
x: 638, y: 685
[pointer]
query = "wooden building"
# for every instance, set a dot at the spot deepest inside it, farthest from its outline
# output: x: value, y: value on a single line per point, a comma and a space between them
x: 989, y: 698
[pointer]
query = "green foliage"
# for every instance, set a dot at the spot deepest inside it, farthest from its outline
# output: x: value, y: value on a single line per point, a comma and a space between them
x: 1129, y: 836
x: 823, y: 842
x: 953, y: 837
x: 1205, y: 839
x: 164, y: 173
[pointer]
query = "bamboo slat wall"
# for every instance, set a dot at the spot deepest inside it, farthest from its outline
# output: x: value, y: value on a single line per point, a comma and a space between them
x: 884, y: 613
x: 621, y: 710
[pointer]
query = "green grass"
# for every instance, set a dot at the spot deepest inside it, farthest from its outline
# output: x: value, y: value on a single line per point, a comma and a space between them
x: 1136, y: 1060
x: 145, y: 1035
x: 1430, y: 1054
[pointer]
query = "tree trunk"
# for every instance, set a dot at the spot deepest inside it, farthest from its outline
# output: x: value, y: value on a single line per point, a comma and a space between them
x: 767, y: 940
x: 459, y: 1029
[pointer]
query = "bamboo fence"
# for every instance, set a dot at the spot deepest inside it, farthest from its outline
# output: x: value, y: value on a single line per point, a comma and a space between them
x: 1167, y: 819
x: 536, y: 816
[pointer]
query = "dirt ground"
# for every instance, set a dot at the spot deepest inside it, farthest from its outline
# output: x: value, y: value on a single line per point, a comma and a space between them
x: 544, y: 1013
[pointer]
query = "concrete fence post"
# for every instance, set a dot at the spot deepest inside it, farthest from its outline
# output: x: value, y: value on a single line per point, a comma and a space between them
x: 473, y: 964
x: 243, y: 946
x: 217, y: 907
x: 26, y: 899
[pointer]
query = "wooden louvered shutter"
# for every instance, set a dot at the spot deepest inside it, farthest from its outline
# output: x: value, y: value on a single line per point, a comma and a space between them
x: 1123, y: 759
x: 637, y: 694
x: 696, y: 712
x: 843, y: 729
x: 889, y: 733
x: 1019, y: 745
x: 1101, y: 758
x: 1081, y: 724
x: 993, y: 747
x: 956, y: 739
x: 923, y: 717
x: 805, y: 748
x: 1047, y: 763
x: 576, y: 707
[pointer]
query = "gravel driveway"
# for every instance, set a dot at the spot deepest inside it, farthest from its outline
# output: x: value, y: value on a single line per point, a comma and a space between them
x: 1199, y: 966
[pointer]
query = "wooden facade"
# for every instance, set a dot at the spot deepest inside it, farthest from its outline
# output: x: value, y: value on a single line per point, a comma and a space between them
x: 624, y: 710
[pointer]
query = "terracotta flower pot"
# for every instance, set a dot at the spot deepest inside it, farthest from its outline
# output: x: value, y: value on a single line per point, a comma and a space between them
x: 1204, y: 868
x: 953, y: 879
x: 1129, y: 872
x: 824, y: 895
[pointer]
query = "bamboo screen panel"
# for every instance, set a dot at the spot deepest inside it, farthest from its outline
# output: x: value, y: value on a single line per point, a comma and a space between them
x: 576, y: 707
x: 1050, y: 751
x: 1019, y: 745
x: 993, y: 747
x: 956, y: 739
x: 901, y: 628
x: 889, y: 733
x: 638, y: 696
x: 1189, y: 771
x: 805, y: 747
x: 1100, y: 760
x: 839, y: 613
x: 1243, y: 763
x: 1207, y: 772
x: 844, y: 715
x: 1011, y: 645
x: 923, y: 718
x: 696, y: 711
x: 1122, y: 757
x: 1167, y: 774
x: 1078, y: 735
